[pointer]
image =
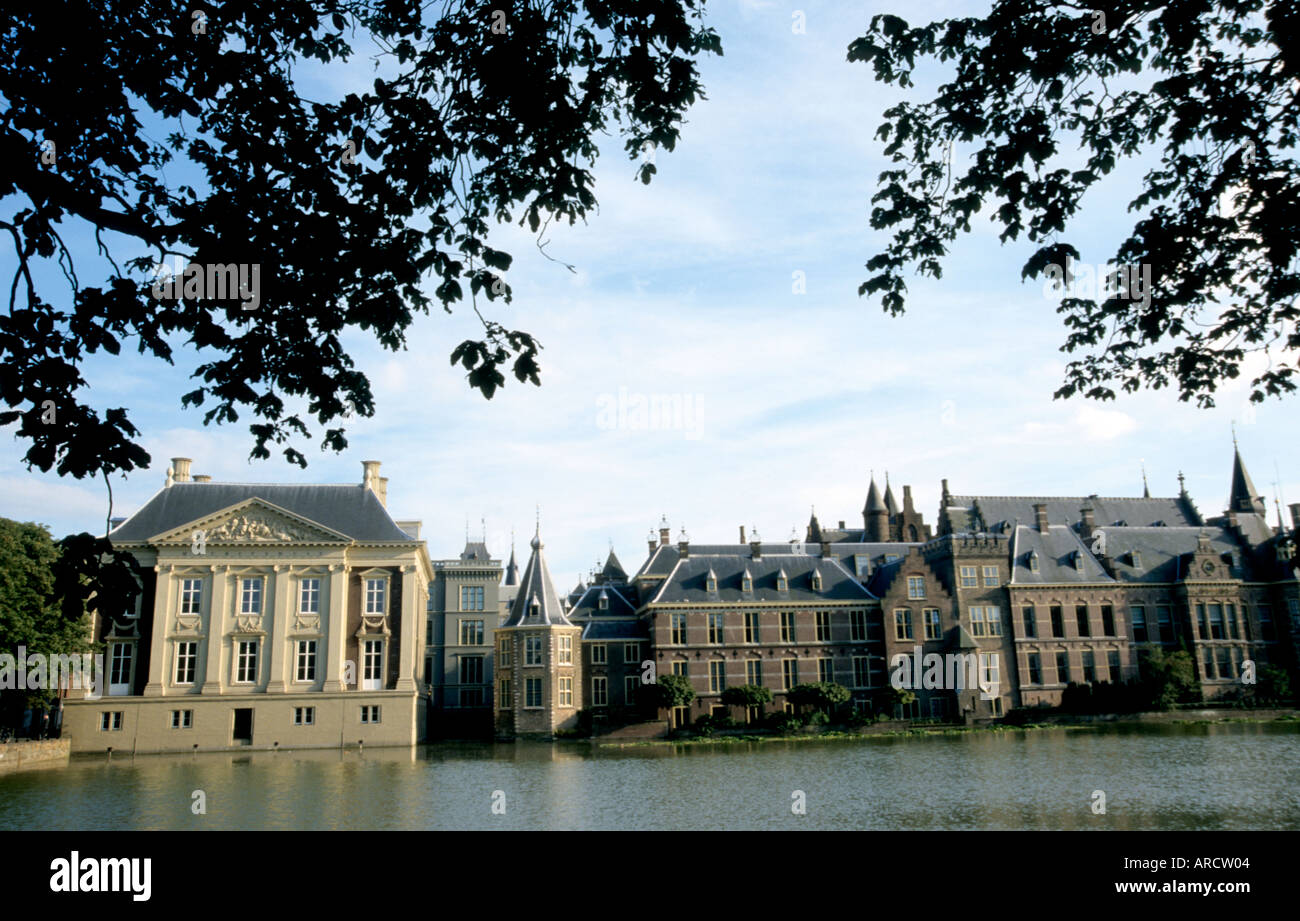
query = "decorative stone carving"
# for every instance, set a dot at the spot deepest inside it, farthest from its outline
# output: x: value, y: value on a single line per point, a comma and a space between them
x: 374, y: 624
x: 259, y: 529
x: 189, y: 623
x: 307, y: 621
x: 248, y: 623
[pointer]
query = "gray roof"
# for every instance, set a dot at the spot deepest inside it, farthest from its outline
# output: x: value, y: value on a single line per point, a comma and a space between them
x: 613, y: 571
x: 512, y: 570
x: 874, y: 503
x: 1243, y: 497
x: 614, y: 630
x: 588, y: 604
x: 1165, y: 553
x: 349, y: 509
x: 536, y: 603
x: 475, y: 551
x: 984, y: 513
x: 1056, y: 552
x: 688, y: 582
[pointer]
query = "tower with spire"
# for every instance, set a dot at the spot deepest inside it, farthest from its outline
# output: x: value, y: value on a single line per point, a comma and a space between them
x: 875, y: 515
x: 539, y: 662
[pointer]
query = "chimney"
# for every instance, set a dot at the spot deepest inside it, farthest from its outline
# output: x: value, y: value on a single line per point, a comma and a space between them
x: 382, y: 491
x: 202, y: 478
x: 907, y: 501
x: 180, y: 469
x: 841, y: 525
x: 684, y: 545
x: 742, y: 533
x: 652, y: 542
x: 826, y: 549
x: 663, y: 535
x: 1040, y: 516
x: 1087, y: 522
x: 370, y: 474
x: 945, y: 491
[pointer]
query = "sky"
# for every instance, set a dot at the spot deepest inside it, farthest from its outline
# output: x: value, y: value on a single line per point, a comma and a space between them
x: 686, y: 295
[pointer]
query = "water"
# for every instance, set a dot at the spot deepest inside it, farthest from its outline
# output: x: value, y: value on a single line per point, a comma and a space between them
x: 1178, y: 776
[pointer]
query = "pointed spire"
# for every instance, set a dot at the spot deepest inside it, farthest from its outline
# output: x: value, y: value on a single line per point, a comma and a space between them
x: 891, y: 504
x: 1244, y: 497
x: 1182, y: 485
x: 613, y: 570
x: 874, y: 502
x: 537, y: 602
x: 512, y: 570
x: 1146, y: 490
x: 814, y: 529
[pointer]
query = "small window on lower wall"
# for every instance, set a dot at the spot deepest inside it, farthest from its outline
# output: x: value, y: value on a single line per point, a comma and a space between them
x: 182, y: 719
x: 370, y: 713
x: 306, y: 716
x: 110, y: 720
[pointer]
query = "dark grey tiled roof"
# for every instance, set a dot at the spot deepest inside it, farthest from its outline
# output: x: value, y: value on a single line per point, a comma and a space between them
x: 979, y: 513
x: 352, y: 510
x: 616, y: 630
x: 1057, y: 551
x: 588, y: 604
x: 1164, y: 553
x: 536, y: 603
x: 660, y: 562
x: 688, y: 582
x: 476, y: 552
x: 613, y: 571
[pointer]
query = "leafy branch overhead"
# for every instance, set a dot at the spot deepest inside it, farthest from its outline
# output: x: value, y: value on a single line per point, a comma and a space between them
x: 478, y: 113
x: 1046, y: 98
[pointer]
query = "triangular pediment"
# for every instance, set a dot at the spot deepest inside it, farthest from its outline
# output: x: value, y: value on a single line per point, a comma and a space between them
x: 253, y: 521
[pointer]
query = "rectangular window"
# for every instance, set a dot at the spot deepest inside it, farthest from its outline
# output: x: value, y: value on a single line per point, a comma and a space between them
x: 1230, y: 615
x: 717, y: 676
x: 119, y: 669
x: 182, y: 719
x: 305, y: 716
x: 632, y: 653
x: 969, y: 577
x: 978, y: 627
x: 825, y: 670
x: 1089, y: 667
x: 679, y: 629
x: 372, y: 665
x: 376, y: 590
x: 857, y: 626
x: 1081, y: 615
x: 187, y: 658
x: 370, y: 713
x: 309, y: 596
x: 1062, y: 668
x: 931, y: 618
x: 110, y: 721
x: 471, y: 597
x: 1224, y: 655
x: 1216, y: 623
x: 991, y: 668
x: 861, y: 672
x: 1202, y: 623
x: 753, y: 671
x: 902, y: 624
x: 533, y: 692
x: 599, y: 692
x: 505, y: 700
x: 250, y: 595
x: 471, y: 633
x: 1058, y: 620
x: 630, y: 685
x: 246, y: 662
x: 599, y: 653
x: 428, y: 632
x: 532, y: 649
x: 991, y: 579
x: 191, y: 596
x: 916, y: 587
x: 566, y: 691
x: 471, y: 697
x: 306, y: 661
x: 715, y: 628
x: 565, y: 650
x: 1029, y: 617
x: 1165, y: 620
x: 471, y: 669
x: 1113, y: 666
x: 823, y: 626
x: 1266, y: 631
x: 1107, y: 620
x: 751, y: 626
x: 1035, y: 668
x: 789, y: 674
x: 1138, y: 615
x: 504, y: 656
x: 1208, y: 662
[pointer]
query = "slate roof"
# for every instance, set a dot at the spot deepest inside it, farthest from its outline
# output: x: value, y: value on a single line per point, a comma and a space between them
x: 1056, y: 551
x: 687, y: 583
x: 614, y: 630
x: 512, y: 570
x: 1165, y: 553
x: 475, y: 552
x: 983, y: 513
x: 536, y: 603
x: 613, y: 570
x: 874, y: 503
x: 349, y: 509
x: 588, y: 604
x: 1243, y: 497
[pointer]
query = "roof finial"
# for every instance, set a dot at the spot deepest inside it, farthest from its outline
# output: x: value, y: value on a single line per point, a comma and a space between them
x: 1146, y: 490
x: 467, y: 529
x: 1233, y: 424
x: 483, y: 525
x: 1182, y: 484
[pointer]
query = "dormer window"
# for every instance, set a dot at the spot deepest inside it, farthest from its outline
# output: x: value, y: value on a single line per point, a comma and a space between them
x: 782, y: 583
x: 711, y: 582
x: 1135, y: 558
x: 1033, y: 561
x: 817, y: 580
x: 746, y: 582
x: 603, y: 603
x: 1078, y: 561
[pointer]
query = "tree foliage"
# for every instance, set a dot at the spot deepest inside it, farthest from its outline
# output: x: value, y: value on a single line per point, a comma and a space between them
x: 161, y: 131
x: 669, y: 691
x: 746, y: 695
x: 1204, y: 92
x: 822, y: 696
x: 1167, y: 678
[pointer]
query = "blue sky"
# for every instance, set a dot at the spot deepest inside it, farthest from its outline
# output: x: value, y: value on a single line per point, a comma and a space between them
x: 684, y: 291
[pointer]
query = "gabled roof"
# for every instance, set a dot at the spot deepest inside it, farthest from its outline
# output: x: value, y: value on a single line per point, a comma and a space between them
x: 688, y: 581
x: 536, y: 603
x: 1057, y: 552
x: 982, y: 513
x: 613, y: 570
x: 587, y: 605
x: 348, y: 509
x: 1165, y: 553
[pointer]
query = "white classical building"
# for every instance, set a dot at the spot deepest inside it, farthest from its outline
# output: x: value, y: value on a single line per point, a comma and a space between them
x: 272, y: 616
